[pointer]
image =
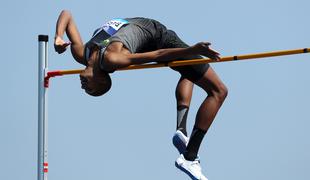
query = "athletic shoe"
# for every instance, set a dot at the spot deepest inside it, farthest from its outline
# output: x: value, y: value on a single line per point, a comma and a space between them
x: 191, y: 168
x: 180, y: 141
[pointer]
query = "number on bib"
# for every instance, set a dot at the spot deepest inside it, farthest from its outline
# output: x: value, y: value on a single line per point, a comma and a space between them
x: 112, y: 26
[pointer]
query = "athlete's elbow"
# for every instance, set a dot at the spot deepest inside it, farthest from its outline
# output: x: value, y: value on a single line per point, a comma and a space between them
x: 65, y: 12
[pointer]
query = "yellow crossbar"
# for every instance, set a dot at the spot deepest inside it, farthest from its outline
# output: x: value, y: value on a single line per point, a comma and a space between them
x: 202, y: 61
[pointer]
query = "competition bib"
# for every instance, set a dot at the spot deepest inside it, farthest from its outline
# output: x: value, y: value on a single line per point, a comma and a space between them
x: 101, y: 36
x: 112, y: 26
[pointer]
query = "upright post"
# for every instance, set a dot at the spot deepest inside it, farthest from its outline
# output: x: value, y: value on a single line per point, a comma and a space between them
x: 42, y: 108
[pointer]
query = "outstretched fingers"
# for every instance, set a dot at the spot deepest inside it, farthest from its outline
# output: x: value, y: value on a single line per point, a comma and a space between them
x: 214, y: 55
x: 203, y: 48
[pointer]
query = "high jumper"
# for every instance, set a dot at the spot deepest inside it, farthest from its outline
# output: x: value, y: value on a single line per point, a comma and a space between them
x: 120, y: 43
x: 135, y: 43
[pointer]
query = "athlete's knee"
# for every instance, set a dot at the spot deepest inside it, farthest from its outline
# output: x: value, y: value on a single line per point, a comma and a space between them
x: 183, y: 91
x: 182, y: 98
x: 220, y: 92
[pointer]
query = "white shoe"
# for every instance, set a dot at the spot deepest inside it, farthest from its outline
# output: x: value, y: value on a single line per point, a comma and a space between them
x: 191, y: 168
x: 180, y: 141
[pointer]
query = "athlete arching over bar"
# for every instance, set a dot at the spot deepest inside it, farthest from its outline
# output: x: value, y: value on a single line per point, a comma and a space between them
x: 123, y: 42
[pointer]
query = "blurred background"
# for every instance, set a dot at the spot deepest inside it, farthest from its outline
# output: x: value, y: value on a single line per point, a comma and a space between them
x: 261, y: 132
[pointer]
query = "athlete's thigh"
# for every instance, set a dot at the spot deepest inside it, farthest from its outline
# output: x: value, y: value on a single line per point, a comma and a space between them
x: 210, y: 81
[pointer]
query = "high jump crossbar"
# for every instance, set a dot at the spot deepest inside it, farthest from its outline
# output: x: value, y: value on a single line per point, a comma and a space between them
x: 189, y: 62
x: 45, y: 75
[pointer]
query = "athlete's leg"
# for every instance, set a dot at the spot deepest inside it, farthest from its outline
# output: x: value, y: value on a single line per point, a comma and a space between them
x: 183, y: 94
x: 184, y: 89
x: 217, y: 93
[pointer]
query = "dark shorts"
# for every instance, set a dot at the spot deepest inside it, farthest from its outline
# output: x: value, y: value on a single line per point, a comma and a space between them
x: 191, y: 72
x: 143, y: 35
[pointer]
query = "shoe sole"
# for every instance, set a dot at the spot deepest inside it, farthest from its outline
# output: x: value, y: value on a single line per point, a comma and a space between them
x: 185, y: 171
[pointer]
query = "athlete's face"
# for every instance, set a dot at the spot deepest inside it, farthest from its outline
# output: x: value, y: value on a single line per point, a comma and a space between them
x: 87, y: 80
x: 94, y: 81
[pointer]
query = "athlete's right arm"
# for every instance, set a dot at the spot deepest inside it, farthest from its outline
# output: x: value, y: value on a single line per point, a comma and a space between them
x: 116, y: 56
x: 65, y: 23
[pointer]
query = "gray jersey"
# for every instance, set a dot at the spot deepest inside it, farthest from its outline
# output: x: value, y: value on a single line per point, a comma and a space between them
x: 143, y: 35
x: 140, y: 35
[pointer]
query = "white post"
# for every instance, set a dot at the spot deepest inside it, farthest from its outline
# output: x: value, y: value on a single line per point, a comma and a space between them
x: 42, y: 108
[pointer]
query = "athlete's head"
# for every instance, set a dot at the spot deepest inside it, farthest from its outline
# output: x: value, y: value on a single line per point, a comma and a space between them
x: 95, y: 81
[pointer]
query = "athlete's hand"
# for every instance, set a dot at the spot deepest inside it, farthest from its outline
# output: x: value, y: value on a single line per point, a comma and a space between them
x: 203, y: 48
x: 60, y: 45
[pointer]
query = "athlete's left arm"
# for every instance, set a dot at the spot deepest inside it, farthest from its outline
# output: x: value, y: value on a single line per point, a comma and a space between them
x: 115, y: 58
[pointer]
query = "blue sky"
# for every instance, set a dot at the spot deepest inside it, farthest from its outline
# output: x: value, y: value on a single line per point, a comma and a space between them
x: 261, y: 132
